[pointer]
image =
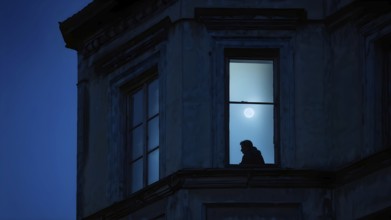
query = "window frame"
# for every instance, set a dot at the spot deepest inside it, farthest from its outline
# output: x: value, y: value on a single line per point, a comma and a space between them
x: 254, y: 54
x: 140, y: 82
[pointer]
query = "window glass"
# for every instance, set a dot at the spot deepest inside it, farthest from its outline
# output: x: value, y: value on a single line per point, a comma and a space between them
x: 153, y: 98
x: 137, y: 175
x: 251, y: 122
x: 251, y: 108
x: 137, y: 142
x: 137, y: 108
x: 153, y: 133
x: 143, y: 134
x: 251, y: 80
x: 153, y: 166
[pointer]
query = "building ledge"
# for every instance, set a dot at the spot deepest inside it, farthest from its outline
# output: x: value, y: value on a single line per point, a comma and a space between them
x: 245, y: 177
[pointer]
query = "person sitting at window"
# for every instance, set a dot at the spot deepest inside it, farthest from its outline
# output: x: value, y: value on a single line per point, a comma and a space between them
x: 251, y: 155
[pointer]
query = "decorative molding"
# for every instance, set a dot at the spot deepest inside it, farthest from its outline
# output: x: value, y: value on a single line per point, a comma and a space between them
x: 244, y: 178
x: 139, y: 15
x: 103, y: 21
x: 364, y: 14
x: 136, y: 46
x: 250, y: 18
x: 375, y: 24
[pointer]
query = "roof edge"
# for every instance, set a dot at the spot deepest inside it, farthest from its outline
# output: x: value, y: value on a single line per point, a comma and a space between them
x: 81, y: 25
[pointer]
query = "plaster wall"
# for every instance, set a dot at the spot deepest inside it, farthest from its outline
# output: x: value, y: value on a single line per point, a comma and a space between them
x: 310, y: 63
x: 96, y: 163
x: 196, y: 96
x: 174, y: 101
x: 345, y: 96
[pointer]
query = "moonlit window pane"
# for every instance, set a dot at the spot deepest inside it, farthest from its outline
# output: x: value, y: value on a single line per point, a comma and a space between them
x: 137, y: 175
x: 143, y: 133
x: 153, y: 133
x: 251, y: 80
x: 251, y: 122
x: 137, y: 107
x: 153, y: 98
x: 153, y: 166
x: 137, y: 142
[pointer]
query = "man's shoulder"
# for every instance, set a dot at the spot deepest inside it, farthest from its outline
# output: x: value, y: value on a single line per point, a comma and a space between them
x: 255, y: 149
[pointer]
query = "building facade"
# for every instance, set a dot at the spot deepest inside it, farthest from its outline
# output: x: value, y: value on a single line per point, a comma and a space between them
x: 167, y: 90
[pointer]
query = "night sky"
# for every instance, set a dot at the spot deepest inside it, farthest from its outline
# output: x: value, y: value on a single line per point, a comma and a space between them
x: 38, y: 111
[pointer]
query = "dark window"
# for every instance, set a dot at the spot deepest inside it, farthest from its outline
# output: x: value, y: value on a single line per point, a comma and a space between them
x: 142, y: 132
x: 382, y: 91
x: 386, y: 93
x: 252, y: 101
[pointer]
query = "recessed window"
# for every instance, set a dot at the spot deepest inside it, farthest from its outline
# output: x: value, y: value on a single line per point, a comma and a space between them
x: 251, y: 106
x: 386, y: 92
x: 143, y: 134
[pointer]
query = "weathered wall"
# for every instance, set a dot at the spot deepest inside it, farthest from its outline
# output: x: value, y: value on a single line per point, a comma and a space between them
x: 344, y: 85
x: 94, y: 155
x: 188, y: 97
x: 196, y: 84
x: 311, y: 59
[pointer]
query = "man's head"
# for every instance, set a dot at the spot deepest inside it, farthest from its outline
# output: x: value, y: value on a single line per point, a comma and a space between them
x: 246, y: 144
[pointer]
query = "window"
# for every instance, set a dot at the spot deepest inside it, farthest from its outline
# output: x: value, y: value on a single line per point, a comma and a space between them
x: 252, y: 103
x: 386, y: 92
x: 143, y: 133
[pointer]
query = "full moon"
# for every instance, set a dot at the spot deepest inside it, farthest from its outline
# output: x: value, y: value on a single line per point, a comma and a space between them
x: 248, y: 112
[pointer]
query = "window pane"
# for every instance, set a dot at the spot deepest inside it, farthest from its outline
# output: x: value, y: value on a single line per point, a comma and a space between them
x: 251, y: 122
x: 137, y: 108
x: 137, y: 142
x: 153, y: 133
x: 153, y: 98
x: 137, y: 175
x: 251, y: 80
x: 153, y: 166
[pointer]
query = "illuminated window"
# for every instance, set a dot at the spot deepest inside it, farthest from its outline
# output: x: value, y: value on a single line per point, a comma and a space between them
x: 251, y: 103
x: 143, y: 134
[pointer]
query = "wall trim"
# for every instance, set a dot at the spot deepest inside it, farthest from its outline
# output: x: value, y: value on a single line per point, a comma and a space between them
x: 245, y: 178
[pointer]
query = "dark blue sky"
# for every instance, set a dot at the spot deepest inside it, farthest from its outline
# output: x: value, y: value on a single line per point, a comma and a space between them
x: 37, y: 110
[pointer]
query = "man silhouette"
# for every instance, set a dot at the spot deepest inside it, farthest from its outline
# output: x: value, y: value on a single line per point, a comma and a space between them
x: 251, y: 155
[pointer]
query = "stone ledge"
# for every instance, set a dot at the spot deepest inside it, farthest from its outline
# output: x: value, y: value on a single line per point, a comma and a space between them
x: 250, y: 18
x: 242, y: 177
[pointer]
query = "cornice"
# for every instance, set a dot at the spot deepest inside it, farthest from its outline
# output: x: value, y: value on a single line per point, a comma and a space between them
x: 103, y: 21
x: 363, y: 13
x: 78, y: 27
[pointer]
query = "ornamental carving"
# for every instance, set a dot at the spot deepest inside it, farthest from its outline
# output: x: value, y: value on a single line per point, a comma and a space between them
x: 137, y: 16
